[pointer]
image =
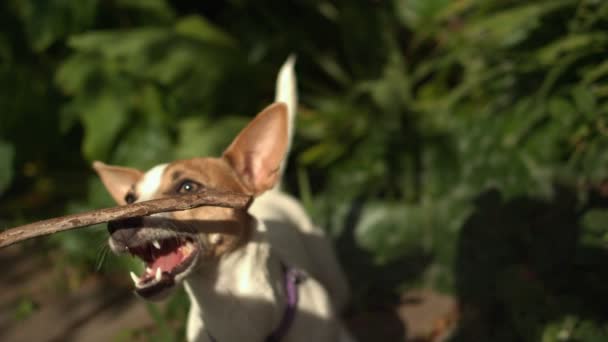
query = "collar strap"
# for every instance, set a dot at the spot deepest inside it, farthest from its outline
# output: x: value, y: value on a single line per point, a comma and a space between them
x: 291, y: 277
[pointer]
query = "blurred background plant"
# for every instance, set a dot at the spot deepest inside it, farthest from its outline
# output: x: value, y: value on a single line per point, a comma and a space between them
x: 459, y: 146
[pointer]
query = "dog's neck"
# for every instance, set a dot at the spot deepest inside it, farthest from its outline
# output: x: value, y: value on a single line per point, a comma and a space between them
x: 235, y: 298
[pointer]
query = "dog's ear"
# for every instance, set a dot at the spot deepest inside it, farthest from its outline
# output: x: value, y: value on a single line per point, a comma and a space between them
x: 118, y: 180
x: 256, y: 153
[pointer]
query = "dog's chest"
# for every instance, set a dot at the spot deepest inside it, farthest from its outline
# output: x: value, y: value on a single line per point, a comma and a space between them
x: 246, y: 299
x: 240, y: 301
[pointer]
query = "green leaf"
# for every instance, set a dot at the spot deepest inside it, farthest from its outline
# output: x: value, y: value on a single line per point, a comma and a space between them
x: 585, y: 101
x: 199, y: 28
x: 24, y: 309
x: 333, y: 69
x: 73, y: 74
x: 392, y: 90
x: 418, y: 13
x: 562, y: 111
x: 596, y: 220
x: 103, y: 118
x: 575, y: 43
x: 389, y: 230
x: 167, y: 69
x: 143, y: 146
x: 595, y: 72
x: 199, y: 137
x: 511, y: 26
x: 46, y: 22
x: 159, y: 8
x: 119, y: 43
x: 7, y: 154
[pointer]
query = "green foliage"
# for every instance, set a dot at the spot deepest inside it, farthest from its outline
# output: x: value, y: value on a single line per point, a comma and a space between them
x: 443, y: 129
x: 46, y: 22
x: 6, y: 165
x: 24, y: 308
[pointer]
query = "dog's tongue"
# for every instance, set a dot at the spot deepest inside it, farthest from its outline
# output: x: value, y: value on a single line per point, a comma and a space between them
x: 168, y: 261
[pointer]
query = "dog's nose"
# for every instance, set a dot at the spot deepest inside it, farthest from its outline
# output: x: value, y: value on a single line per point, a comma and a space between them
x: 133, y: 222
x: 124, y: 230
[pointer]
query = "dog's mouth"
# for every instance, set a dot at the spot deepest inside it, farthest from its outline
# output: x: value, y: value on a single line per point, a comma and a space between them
x: 166, y: 262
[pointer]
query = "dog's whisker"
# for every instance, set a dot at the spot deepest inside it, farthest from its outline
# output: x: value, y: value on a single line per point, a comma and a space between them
x: 102, y: 252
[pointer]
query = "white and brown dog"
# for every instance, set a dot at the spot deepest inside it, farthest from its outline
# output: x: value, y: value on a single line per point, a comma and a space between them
x: 242, y: 270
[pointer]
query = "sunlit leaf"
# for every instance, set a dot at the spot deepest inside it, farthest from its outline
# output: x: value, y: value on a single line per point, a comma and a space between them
x: 416, y: 13
x: 513, y: 25
x: 389, y: 230
x: 571, y: 44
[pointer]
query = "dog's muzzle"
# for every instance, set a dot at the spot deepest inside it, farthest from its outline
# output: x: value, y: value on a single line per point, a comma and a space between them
x: 168, y: 255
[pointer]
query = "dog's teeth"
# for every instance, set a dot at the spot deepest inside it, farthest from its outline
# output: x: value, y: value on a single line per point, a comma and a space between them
x: 149, y: 270
x: 158, y: 274
x: 134, y: 277
x: 156, y: 244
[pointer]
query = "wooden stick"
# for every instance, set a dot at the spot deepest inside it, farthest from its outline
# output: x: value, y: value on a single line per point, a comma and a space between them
x: 182, y: 202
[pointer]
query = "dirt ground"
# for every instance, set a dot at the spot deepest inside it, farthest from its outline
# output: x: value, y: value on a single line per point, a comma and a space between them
x: 39, y: 304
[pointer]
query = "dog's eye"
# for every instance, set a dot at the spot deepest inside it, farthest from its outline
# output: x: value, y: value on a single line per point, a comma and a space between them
x: 130, y: 198
x: 188, y: 186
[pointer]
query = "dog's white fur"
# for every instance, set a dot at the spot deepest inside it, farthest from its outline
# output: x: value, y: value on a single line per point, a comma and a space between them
x: 241, y: 297
x: 151, y: 181
x: 244, y: 300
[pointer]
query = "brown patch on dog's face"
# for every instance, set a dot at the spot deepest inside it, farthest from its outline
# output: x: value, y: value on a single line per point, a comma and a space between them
x: 220, y: 229
x: 172, y: 244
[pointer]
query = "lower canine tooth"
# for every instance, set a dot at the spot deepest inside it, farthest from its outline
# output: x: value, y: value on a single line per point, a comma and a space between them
x: 158, y: 274
x: 134, y: 277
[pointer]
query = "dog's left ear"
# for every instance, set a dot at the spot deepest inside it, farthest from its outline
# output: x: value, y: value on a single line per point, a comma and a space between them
x: 256, y: 153
x: 118, y: 180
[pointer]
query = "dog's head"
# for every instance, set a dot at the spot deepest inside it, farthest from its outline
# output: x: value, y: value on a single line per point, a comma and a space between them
x: 172, y: 244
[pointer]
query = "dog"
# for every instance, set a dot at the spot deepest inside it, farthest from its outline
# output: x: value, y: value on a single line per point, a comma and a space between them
x: 262, y: 274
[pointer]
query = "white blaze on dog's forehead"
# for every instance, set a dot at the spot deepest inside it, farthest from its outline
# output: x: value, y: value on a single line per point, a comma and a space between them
x: 150, y: 182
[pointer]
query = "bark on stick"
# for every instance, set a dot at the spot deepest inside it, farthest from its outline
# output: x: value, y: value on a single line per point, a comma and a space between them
x: 80, y: 220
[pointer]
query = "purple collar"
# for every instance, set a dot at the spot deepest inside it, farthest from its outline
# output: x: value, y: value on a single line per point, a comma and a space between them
x: 291, y: 278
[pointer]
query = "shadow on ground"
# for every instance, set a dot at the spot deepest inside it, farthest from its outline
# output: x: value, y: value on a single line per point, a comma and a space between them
x: 380, y: 312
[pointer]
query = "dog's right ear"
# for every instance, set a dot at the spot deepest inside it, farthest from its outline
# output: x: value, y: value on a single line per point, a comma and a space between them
x: 257, y: 152
x: 118, y: 180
